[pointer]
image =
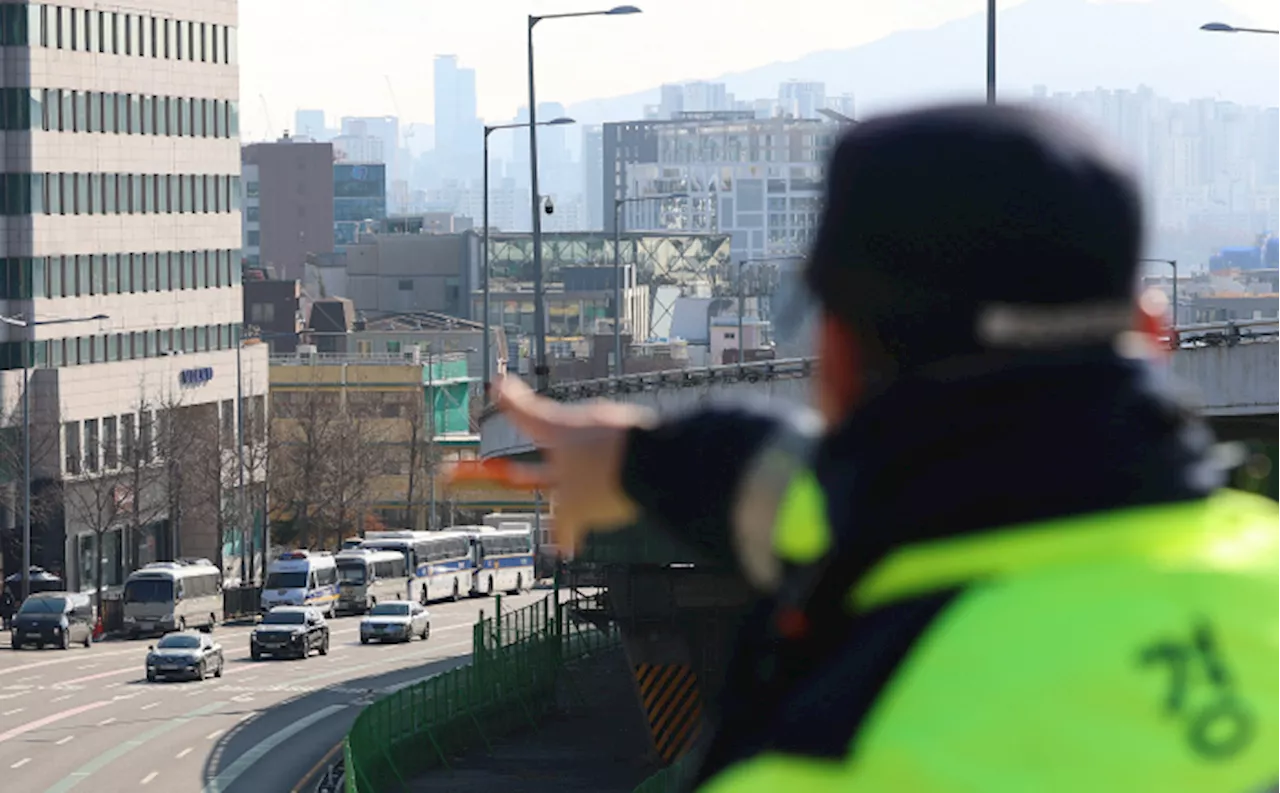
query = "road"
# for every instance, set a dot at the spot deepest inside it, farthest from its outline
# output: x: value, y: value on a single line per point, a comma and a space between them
x: 86, y: 719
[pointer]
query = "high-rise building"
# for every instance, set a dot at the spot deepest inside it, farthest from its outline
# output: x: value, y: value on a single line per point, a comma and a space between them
x: 592, y: 169
x: 288, y: 206
x: 359, y: 195
x: 121, y: 252
x: 457, y: 128
x: 310, y: 124
x: 800, y: 99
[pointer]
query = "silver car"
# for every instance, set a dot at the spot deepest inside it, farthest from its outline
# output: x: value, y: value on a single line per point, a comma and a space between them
x: 395, y: 621
x: 192, y: 656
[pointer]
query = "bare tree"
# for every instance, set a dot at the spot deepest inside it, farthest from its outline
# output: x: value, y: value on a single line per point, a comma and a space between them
x: 97, y: 501
x: 44, y: 501
x: 355, y: 460
x: 304, y: 433
x: 420, y: 451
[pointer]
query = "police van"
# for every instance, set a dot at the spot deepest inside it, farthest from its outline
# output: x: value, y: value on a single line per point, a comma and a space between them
x: 302, y: 578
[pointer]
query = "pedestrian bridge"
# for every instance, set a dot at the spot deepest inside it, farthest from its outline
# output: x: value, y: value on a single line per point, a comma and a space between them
x: 1229, y: 369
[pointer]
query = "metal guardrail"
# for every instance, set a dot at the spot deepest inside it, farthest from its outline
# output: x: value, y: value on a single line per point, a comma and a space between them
x: 510, y: 682
x: 1226, y: 334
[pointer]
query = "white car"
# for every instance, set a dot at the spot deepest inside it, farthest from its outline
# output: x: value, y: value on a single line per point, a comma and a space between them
x: 395, y: 621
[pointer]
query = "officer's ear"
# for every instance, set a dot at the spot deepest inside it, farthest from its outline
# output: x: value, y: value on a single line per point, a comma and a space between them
x: 843, y: 366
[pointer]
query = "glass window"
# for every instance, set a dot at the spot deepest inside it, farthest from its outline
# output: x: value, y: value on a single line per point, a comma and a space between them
x: 113, y: 273
x: 166, y: 37
x: 68, y: 112
x: 202, y: 280
x: 184, y: 117
x: 98, y: 269
x: 60, y: 26
x: 38, y: 24
x: 95, y: 194
x: 94, y: 100
x: 109, y: 113
x: 197, y: 190
x: 178, y: 45
x: 82, y: 193
x: 135, y: 186
x: 103, y: 32
x: 73, y: 28
x: 215, y: 44
x: 135, y: 114
x: 81, y: 101
x: 113, y: 347
x: 208, y: 104
x: 175, y: 270
x: 184, y: 197
x: 39, y: 277
x: 92, y: 35
x: 144, y: 35
x: 110, y: 193
x: 149, y: 269
x: 162, y: 115
x: 54, y: 181
x: 193, y: 39
x: 126, y: 273
x: 204, y: 41
x: 233, y: 118
x: 162, y: 270
x: 122, y: 113
x: 148, y: 116
x: 162, y: 194
x: 188, y: 270
x: 55, y: 277
x: 232, y: 48
x: 127, y: 32
x: 86, y: 351
x: 175, y: 193
x: 113, y: 33
x: 148, y: 194
x: 139, y: 279
x: 188, y: 339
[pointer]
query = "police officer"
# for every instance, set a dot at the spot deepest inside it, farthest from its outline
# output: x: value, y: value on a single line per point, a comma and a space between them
x: 1003, y: 559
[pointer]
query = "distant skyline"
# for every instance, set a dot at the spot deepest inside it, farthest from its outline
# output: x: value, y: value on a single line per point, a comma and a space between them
x: 339, y: 55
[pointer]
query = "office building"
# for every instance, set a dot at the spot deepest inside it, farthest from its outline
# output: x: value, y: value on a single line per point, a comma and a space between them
x: 359, y: 195
x: 121, y: 244
x: 288, y: 203
x: 310, y: 124
x: 799, y: 99
x: 458, y: 131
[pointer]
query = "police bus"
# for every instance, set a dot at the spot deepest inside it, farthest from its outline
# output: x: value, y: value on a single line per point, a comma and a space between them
x: 366, y: 576
x: 302, y: 578
x: 503, y: 560
x: 441, y: 562
x: 172, y: 596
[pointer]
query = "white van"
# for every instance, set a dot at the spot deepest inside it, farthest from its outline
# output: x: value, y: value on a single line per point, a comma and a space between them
x: 302, y: 578
x: 172, y: 596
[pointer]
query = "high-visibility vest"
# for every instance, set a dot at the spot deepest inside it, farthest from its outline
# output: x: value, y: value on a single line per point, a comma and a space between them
x: 1133, y: 650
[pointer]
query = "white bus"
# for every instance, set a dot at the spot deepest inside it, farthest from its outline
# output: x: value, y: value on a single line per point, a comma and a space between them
x: 504, y: 561
x: 367, y: 576
x: 441, y: 562
x: 302, y: 578
x: 172, y: 596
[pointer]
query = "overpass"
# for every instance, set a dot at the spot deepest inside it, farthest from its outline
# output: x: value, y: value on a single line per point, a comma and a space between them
x: 678, y: 611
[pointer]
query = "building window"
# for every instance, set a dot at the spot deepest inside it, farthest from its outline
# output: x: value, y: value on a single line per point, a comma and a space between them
x: 393, y: 347
x: 91, y: 445
x: 110, y: 443
x: 405, y: 285
x: 71, y: 447
x: 262, y: 313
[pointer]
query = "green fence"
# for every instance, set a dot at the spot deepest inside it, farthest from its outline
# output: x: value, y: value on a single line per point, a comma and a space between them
x: 510, y: 683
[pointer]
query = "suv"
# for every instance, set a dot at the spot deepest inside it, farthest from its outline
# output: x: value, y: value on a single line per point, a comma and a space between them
x: 54, y: 619
x: 290, y: 631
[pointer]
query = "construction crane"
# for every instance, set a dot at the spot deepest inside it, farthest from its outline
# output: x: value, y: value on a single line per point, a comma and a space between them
x: 266, y: 111
x: 408, y: 131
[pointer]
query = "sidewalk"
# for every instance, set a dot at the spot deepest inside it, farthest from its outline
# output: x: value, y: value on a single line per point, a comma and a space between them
x: 597, y: 743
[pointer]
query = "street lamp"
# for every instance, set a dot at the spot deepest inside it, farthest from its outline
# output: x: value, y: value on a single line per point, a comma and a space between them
x: 991, y: 52
x: 488, y: 130
x: 541, y: 372
x: 1173, y: 263
x: 742, y: 295
x: 1222, y: 27
x: 617, y: 268
x: 18, y: 322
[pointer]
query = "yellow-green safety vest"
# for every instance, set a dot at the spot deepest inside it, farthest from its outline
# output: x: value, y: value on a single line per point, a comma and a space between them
x: 1133, y: 650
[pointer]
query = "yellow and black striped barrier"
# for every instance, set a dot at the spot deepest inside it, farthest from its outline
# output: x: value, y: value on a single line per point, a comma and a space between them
x: 672, y: 702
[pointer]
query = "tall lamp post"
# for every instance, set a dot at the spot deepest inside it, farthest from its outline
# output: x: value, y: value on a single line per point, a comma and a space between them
x: 488, y: 130
x: 991, y: 52
x: 1222, y: 27
x: 541, y: 372
x: 19, y: 322
x: 618, y: 203
x: 1173, y: 263
x: 742, y: 293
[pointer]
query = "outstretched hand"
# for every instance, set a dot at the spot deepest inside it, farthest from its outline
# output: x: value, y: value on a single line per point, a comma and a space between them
x: 583, y: 450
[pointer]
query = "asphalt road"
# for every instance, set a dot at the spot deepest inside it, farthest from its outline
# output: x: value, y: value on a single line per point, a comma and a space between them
x: 86, y: 719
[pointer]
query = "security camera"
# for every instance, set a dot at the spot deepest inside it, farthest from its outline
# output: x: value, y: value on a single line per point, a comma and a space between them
x: 549, y: 207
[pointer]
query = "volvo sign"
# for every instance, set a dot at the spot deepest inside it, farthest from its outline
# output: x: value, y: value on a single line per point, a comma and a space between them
x: 191, y: 377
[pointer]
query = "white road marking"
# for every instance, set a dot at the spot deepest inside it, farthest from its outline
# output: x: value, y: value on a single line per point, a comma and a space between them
x: 107, y: 721
x: 213, y: 734
x: 59, y: 699
x: 182, y: 754
x: 65, y: 741
x: 21, y: 762
x: 29, y: 677
x: 234, y: 771
x: 11, y: 712
x: 147, y: 779
x: 87, y: 666
x: 152, y: 705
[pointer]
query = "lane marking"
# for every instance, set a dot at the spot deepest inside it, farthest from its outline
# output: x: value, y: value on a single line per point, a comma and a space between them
x: 64, y: 696
x: 147, y: 779
x: 228, y: 777
x: 106, y: 758
x: 35, y: 725
x: 21, y: 762
x: 65, y: 741
x: 106, y: 721
x: 87, y: 666
x: 29, y: 677
x: 99, y: 676
x: 182, y: 754
x: 11, y: 712
x: 214, y: 734
x: 152, y: 705
x: 315, y: 769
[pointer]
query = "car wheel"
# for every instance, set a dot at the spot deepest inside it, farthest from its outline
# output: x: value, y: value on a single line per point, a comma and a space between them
x: 426, y: 631
x: 202, y: 671
x: 221, y: 663
x: 364, y: 639
x: 88, y: 639
x: 324, y: 645
x: 457, y: 593
x: 255, y: 655
x: 66, y: 639
x: 151, y: 677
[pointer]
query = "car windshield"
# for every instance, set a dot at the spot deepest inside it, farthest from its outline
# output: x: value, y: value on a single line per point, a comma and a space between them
x: 148, y: 590
x: 43, y: 606
x: 296, y: 580
x: 284, y: 618
x: 390, y: 610
x: 351, y: 573
x: 176, y: 641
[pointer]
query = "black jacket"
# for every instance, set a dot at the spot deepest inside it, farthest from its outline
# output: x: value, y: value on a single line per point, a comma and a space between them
x: 1011, y: 441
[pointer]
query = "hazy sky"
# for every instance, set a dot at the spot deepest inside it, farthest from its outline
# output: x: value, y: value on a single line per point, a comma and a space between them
x: 338, y: 54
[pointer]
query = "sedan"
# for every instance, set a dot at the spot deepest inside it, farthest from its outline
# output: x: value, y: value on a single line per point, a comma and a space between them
x: 395, y: 621
x: 192, y: 656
